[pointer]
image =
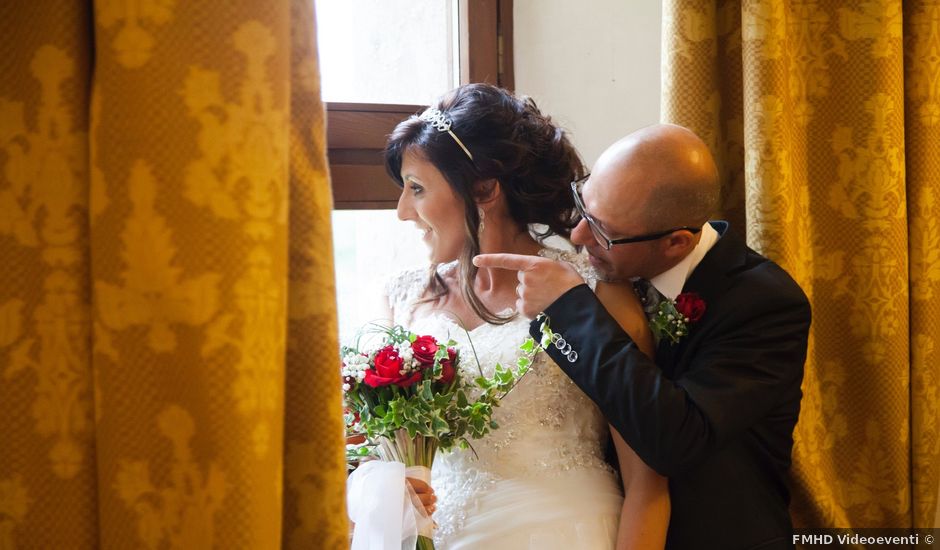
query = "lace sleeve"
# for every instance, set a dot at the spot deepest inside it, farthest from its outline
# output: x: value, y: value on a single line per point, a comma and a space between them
x: 402, y: 291
x: 578, y: 260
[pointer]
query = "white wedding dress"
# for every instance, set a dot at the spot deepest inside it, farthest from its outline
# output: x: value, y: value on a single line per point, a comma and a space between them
x: 540, y: 481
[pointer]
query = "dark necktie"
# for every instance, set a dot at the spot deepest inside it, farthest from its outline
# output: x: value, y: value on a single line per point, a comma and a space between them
x: 649, y: 296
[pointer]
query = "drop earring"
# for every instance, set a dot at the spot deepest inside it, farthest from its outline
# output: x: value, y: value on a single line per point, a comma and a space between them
x: 482, y: 214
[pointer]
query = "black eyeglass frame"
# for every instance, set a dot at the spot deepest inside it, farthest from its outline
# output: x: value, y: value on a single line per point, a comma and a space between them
x: 605, y: 241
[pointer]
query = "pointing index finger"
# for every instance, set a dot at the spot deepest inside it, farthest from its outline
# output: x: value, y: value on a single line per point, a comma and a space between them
x: 517, y: 262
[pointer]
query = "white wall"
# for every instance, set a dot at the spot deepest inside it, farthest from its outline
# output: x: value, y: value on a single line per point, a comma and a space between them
x: 593, y: 65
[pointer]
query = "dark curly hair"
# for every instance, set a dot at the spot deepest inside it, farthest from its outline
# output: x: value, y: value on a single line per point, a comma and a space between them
x: 513, y: 143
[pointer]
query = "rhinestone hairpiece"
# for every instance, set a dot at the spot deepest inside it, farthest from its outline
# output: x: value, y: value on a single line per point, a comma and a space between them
x: 442, y: 123
x: 437, y: 119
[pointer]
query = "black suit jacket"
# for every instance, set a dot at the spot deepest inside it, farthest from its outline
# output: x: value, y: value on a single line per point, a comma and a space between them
x: 715, y: 412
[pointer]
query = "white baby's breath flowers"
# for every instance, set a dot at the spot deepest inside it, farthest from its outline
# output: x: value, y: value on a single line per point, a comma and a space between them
x: 404, y: 351
x: 355, y: 366
x: 407, y: 355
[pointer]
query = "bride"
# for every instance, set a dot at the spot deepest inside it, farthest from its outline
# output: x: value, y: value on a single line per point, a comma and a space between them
x: 476, y: 171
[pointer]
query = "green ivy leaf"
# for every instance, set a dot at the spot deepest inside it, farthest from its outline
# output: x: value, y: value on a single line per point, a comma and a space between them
x: 528, y: 346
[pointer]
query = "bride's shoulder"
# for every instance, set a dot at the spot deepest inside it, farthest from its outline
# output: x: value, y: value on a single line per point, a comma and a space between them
x: 405, y: 286
x: 577, y: 259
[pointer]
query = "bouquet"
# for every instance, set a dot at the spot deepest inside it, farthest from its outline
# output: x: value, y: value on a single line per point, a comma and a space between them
x: 408, y: 397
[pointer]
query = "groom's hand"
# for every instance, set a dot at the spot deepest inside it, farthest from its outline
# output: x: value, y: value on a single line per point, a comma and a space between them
x: 541, y: 280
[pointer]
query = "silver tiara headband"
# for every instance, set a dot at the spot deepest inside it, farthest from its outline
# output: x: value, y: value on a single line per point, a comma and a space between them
x: 440, y: 121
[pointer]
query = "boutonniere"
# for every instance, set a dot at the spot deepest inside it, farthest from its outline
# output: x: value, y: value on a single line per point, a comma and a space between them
x: 673, y: 317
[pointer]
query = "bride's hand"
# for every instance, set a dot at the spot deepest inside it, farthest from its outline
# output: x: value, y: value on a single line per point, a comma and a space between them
x: 425, y: 494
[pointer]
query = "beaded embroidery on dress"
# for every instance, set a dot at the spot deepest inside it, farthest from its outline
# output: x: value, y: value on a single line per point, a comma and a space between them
x: 540, y: 480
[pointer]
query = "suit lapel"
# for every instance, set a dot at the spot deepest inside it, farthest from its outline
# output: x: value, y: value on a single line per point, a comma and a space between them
x: 710, y: 280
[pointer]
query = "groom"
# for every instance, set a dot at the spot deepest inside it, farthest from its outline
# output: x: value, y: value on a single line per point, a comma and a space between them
x: 715, y: 410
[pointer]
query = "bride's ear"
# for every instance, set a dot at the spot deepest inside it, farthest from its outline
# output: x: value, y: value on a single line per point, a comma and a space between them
x: 485, y: 192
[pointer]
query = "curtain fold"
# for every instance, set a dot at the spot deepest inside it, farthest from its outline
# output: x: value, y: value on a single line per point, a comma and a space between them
x: 921, y: 32
x: 167, y: 326
x: 825, y: 119
x: 48, y: 473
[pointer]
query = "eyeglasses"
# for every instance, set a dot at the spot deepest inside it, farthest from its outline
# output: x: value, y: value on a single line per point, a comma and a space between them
x: 602, y: 238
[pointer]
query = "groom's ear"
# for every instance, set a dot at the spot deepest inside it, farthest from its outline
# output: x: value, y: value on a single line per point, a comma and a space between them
x: 486, y: 191
x: 679, y: 244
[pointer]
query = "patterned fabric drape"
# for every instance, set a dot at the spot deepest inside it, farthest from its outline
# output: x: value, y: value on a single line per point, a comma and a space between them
x: 168, y: 371
x: 825, y: 117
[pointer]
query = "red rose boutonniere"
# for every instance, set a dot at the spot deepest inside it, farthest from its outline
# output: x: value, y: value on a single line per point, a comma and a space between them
x: 691, y: 306
x: 673, y: 317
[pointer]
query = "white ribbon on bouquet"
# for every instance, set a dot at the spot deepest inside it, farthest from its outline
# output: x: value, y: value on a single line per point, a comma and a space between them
x: 385, y: 509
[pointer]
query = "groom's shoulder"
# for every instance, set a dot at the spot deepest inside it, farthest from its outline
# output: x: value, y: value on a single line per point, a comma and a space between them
x: 762, y: 277
x: 749, y: 272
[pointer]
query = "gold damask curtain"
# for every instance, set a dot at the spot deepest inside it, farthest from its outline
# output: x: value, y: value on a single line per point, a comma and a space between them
x: 168, y: 373
x: 825, y: 118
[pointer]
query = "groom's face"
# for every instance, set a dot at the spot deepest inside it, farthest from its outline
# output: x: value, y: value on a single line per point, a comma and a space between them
x: 615, y: 206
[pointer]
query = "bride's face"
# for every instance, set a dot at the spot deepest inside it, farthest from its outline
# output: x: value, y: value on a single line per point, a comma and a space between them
x: 428, y: 201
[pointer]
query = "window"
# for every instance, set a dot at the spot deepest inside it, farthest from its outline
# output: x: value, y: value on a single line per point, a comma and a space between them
x: 369, y: 246
x: 381, y: 61
x: 387, y: 51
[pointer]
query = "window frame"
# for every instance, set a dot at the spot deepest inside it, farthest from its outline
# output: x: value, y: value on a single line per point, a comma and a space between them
x: 356, y: 132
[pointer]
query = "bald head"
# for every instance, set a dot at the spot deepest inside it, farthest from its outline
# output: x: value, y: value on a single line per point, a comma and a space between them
x: 665, y: 169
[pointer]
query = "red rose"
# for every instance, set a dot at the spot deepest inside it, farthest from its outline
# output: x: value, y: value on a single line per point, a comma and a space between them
x: 408, y: 381
x: 690, y: 305
x: 424, y: 348
x: 387, y: 370
x: 388, y: 363
x: 376, y: 381
x: 447, y: 366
